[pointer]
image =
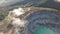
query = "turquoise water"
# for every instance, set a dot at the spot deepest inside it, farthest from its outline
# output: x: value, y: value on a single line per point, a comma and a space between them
x: 44, y: 30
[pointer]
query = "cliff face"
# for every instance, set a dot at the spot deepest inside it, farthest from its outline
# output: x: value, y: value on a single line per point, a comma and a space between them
x: 26, y: 20
x: 47, y: 17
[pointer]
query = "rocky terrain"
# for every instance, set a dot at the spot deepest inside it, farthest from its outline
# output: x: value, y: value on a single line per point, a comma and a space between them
x: 48, y: 15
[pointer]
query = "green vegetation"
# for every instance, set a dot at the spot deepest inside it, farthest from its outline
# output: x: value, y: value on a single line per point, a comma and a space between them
x: 3, y: 14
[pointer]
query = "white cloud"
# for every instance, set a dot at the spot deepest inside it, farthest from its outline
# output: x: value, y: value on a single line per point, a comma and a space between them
x: 57, y: 0
x: 8, y: 2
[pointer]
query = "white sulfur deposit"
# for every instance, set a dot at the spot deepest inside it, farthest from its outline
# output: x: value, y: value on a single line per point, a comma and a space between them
x: 18, y: 11
x: 18, y: 22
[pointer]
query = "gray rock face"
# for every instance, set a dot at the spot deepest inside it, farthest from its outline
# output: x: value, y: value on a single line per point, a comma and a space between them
x: 50, y: 19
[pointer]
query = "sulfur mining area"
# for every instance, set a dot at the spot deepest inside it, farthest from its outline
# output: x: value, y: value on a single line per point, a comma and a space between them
x: 29, y: 16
